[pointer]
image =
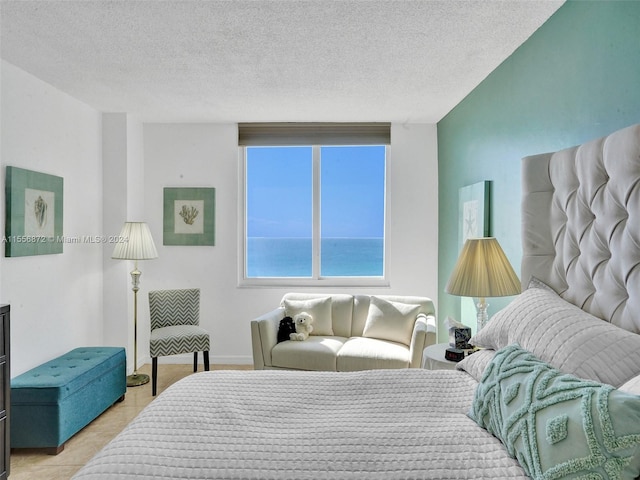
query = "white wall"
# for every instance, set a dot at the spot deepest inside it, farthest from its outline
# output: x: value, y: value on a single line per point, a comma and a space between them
x: 56, y: 300
x: 206, y: 155
x: 123, y: 184
x: 83, y: 297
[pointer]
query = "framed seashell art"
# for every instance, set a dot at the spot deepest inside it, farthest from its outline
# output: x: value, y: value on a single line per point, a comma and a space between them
x: 34, y: 213
x: 189, y: 216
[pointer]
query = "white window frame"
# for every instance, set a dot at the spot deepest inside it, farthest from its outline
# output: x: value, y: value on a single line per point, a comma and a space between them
x: 315, y: 280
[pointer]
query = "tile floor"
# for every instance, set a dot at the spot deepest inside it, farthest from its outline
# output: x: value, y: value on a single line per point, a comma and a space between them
x: 34, y: 464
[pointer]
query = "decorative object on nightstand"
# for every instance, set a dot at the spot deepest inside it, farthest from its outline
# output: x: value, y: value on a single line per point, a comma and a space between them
x: 135, y: 244
x: 482, y: 271
x: 459, y: 336
x: 454, y: 354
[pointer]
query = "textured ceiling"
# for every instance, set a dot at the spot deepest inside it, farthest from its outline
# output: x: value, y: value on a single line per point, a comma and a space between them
x: 268, y: 60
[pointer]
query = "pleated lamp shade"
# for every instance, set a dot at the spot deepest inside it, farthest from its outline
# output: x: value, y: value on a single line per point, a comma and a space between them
x: 483, y: 271
x: 136, y: 243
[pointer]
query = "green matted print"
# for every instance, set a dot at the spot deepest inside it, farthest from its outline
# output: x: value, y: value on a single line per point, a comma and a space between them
x: 189, y: 216
x: 34, y: 207
x: 474, y: 202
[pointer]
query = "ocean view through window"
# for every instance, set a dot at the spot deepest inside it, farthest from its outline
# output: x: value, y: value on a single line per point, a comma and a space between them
x: 315, y: 212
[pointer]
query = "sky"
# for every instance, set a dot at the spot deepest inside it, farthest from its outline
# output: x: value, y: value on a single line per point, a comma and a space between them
x: 279, y: 192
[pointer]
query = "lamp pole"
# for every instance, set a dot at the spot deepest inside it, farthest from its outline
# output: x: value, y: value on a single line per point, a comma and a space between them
x: 136, y: 244
x: 136, y: 379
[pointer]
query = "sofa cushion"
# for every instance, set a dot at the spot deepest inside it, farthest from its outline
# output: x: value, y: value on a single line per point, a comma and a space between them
x: 360, y: 311
x: 318, y: 308
x: 53, y: 381
x: 389, y: 320
x: 360, y: 353
x: 314, y: 353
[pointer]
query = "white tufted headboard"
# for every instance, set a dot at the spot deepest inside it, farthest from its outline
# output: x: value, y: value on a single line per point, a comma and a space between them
x: 581, y: 225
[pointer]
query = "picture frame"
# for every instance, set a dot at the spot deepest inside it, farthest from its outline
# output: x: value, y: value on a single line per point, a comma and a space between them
x: 189, y: 216
x: 473, y: 211
x: 34, y: 213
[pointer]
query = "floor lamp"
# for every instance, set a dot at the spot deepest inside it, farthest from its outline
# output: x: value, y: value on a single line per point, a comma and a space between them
x: 135, y: 244
x: 482, y: 271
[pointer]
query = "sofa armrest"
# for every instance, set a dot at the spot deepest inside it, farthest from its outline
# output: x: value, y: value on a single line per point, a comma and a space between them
x: 264, y: 336
x: 424, y: 334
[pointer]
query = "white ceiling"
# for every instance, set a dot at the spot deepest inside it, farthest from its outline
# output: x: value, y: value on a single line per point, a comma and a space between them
x: 268, y: 60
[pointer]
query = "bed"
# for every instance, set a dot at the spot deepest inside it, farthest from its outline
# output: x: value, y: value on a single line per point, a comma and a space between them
x: 554, y: 393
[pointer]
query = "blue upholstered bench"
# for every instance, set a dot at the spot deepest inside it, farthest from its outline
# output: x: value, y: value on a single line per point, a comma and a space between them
x: 52, y: 402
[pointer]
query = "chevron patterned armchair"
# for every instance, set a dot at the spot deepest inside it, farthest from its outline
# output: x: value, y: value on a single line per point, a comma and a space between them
x: 175, y: 328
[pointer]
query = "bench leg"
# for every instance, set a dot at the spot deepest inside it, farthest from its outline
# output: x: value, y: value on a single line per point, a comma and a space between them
x: 195, y: 361
x: 154, y: 375
x: 206, y: 360
x: 55, y: 450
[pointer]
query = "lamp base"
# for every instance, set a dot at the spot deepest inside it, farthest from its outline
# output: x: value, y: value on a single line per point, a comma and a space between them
x: 137, y: 379
x: 482, y: 316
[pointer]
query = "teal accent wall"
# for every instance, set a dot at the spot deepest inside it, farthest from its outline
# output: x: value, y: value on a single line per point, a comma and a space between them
x: 575, y: 79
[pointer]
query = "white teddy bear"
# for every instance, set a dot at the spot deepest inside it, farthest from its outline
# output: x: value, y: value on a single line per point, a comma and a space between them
x: 303, y: 322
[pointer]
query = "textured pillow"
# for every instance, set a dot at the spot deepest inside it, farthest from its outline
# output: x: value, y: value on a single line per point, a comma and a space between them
x: 632, y: 386
x: 557, y: 425
x: 476, y: 363
x: 564, y: 336
x: 392, y: 321
x: 318, y: 308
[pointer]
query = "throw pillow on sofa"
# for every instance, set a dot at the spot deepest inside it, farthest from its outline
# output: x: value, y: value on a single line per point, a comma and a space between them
x: 318, y: 308
x: 392, y: 321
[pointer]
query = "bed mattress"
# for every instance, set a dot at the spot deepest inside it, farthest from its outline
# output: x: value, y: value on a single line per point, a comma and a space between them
x: 376, y: 424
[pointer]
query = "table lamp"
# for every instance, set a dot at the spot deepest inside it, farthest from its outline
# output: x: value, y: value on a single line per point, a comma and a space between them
x: 482, y: 271
x: 136, y: 244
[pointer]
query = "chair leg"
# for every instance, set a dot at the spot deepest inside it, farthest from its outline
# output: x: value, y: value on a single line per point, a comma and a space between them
x: 206, y: 360
x: 195, y: 361
x: 154, y: 375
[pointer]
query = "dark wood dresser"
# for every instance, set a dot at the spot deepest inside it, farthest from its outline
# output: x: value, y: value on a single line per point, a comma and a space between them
x: 5, y: 400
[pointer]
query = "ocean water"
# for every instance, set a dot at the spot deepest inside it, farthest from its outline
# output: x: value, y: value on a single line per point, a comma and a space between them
x: 292, y: 257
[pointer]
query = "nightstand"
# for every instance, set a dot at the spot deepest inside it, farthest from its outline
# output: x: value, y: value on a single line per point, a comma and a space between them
x: 433, y: 358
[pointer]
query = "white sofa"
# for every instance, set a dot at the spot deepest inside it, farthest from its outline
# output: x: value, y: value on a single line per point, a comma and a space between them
x: 351, y: 332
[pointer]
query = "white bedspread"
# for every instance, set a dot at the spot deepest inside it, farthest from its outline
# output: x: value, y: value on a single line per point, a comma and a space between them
x: 377, y: 424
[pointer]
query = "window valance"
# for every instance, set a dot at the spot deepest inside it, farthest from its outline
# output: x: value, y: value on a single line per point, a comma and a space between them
x: 280, y: 134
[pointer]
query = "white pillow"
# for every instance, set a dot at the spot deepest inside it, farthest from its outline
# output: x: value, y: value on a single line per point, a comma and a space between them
x: 392, y: 321
x: 632, y: 386
x: 318, y: 308
x: 476, y: 363
x: 564, y: 336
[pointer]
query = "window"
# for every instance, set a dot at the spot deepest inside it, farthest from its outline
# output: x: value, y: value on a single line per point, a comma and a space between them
x: 352, y: 186
x: 283, y: 211
x: 313, y: 200
x: 314, y: 213
x: 279, y: 207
